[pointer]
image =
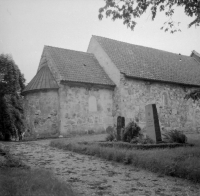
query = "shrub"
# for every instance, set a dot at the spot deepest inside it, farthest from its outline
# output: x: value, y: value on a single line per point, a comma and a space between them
x: 91, y: 131
x: 142, y: 140
x: 112, y: 135
x: 132, y: 131
x: 175, y: 136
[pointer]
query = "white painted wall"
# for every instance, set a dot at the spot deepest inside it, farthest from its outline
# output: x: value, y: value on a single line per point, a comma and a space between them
x: 104, y: 60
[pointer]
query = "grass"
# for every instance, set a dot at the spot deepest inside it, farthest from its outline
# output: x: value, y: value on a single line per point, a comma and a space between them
x: 183, y: 162
x: 25, y: 182
x: 16, y: 179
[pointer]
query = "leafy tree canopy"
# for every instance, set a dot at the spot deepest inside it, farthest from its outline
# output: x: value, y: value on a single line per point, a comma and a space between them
x: 130, y: 10
x: 11, y: 110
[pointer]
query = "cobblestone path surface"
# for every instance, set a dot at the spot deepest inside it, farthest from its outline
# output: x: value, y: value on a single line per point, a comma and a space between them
x: 92, y: 176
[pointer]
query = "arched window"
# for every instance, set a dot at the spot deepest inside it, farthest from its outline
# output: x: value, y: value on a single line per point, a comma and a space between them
x: 92, y: 104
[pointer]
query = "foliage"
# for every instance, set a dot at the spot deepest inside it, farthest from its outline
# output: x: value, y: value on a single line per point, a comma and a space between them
x: 130, y: 10
x: 183, y: 162
x: 11, y: 86
x: 175, y: 136
x: 194, y: 95
x: 142, y: 140
x: 132, y: 130
x: 110, y: 137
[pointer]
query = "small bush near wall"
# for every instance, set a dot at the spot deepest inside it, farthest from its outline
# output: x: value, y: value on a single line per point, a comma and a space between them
x: 175, y: 136
x: 131, y: 134
x: 132, y: 131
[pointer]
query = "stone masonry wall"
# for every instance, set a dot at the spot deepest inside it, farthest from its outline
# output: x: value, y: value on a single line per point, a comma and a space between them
x: 42, y: 114
x: 174, y: 112
x: 84, y: 109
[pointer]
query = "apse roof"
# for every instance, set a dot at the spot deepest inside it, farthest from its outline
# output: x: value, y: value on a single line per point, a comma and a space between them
x: 43, y: 80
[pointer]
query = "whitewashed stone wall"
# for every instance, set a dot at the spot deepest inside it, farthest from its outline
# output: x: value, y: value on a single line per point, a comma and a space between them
x: 83, y: 109
x: 174, y: 111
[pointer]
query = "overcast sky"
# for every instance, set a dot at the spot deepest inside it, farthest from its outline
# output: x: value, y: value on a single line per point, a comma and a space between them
x: 27, y: 25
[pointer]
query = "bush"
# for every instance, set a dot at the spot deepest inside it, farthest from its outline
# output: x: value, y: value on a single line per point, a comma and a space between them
x: 132, y: 131
x: 91, y: 131
x: 112, y: 134
x: 110, y: 137
x: 175, y: 136
x: 142, y: 140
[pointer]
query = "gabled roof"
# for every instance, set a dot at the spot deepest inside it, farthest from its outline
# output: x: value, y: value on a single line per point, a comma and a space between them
x: 77, y: 66
x: 151, y: 64
x: 43, y: 80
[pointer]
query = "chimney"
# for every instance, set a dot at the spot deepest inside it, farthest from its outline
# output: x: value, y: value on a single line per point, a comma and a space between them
x: 195, y: 55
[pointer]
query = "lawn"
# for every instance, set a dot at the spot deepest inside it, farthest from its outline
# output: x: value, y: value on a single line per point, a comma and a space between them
x: 183, y: 162
x: 18, y: 179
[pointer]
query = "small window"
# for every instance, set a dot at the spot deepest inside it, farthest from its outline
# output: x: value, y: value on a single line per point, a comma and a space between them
x: 92, y: 104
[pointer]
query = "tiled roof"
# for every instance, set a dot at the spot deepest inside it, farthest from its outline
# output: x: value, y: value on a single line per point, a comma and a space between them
x: 148, y: 63
x: 77, y: 66
x: 42, y: 80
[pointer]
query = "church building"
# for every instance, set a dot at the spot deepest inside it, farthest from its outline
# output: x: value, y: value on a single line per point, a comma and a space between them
x: 78, y: 92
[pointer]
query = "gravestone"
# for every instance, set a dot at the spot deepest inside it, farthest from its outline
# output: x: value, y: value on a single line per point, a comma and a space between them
x: 119, y: 126
x: 152, y: 123
x: 123, y: 127
x: 123, y: 122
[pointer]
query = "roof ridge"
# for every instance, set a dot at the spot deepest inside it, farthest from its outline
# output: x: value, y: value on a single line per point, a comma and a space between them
x: 139, y: 45
x: 69, y: 50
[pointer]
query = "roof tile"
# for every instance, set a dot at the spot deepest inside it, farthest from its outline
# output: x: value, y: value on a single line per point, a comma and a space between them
x: 42, y: 80
x: 78, y: 66
x: 148, y: 63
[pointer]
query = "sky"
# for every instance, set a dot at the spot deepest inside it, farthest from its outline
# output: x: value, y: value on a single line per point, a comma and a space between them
x: 27, y: 25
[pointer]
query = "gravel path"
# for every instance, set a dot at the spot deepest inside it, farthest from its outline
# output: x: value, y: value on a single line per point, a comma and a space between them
x: 92, y: 176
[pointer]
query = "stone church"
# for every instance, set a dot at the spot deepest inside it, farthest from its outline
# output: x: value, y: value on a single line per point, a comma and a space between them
x: 78, y: 92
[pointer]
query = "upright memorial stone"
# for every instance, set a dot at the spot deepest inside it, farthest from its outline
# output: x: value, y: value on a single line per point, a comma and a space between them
x: 152, y: 123
x: 119, y: 126
x: 123, y: 122
x: 123, y: 127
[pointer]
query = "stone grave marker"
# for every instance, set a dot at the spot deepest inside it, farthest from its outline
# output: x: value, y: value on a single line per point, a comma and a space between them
x: 123, y: 127
x: 152, y: 123
x: 119, y: 126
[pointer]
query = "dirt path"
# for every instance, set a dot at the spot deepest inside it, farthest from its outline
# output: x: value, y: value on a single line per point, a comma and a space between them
x: 92, y: 176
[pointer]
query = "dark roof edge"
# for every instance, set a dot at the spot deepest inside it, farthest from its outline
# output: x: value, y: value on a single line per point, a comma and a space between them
x: 163, y: 81
x: 87, y: 83
x: 37, y: 90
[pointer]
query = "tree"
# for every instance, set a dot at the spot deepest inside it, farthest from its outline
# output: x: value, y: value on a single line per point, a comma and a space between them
x: 129, y: 10
x: 11, y: 110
